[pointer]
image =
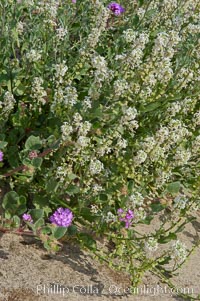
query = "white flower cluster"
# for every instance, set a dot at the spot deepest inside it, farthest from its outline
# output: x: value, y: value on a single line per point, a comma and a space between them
x: 96, y: 188
x: 163, y: 176
x: 83, y: 141
x: 50, y: 7
x: 148, y: 143
x: 33, y: 56
x: 120, y: 87
x: 179, y: 252
x: 151, y: 244
x: 68, y: 96
x: 87, y: 103
x: 100, y: 21
x: 129, y: 35
x: 110, y: 217
x: 105, y: 147
x: 140, y: 214
x: 61, y: 33
x: 184, y: 77
x: 66, y: 130
x: 180, y: 202
x: 95, y: 167
x: 140, y: 157
x: 84, y: 128
x: 38, y: 92
x: 101, y: 69
x: 196, y: 146
x: 7, y: 105
x: 128, y: 118
x: 121, y: 143
x: 182, y: 156
x: 94, y: 209
x: 20, y: 27
x: 136, y: 199
x: 60, y: 71
x: 196, y: 118
x: 162, y: 135
x: 178, y: 131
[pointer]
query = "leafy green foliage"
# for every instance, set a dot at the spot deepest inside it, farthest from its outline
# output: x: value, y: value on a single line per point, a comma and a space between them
x: 14, y: 204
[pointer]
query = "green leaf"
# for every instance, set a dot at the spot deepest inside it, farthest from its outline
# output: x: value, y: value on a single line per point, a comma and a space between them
x: 52, y: 185
x: 33, y: 143
x: 22, y: 200
x: 46, y: 230
x: 19, y: 88
x: 59, y: 232
x: 71, y: 176
x: 37, y: 162
x: 157, y: 207
x: 72, y: 230
x: 36, y: 214
x: 39, y: 223
x: 3, y: 144
x: 165, y: 260
x: 147, y: 220
x: 174, y: 187
x: 151, y: 107
x: 16, y: 221
x: 40, y: 201
x: 87, y: 241
x: 10, y: 198
x: 13, y: 156
x: 14, y: 204
x: 165, y: 239
x: 72, y: 189
x: 86, y: 214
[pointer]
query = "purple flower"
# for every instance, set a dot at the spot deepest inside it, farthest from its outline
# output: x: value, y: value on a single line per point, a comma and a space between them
x: 27, y: 217
x: 73, y: 1
x: 129, y: 214
x: 120, y: 211
x: 125, y: 217
x: 116, y: 8
x: 1, y: 156
x: 62, y: 217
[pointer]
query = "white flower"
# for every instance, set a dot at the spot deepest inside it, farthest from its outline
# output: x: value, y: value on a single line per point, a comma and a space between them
x: 148, y: 144
x: 95, y: 167
x: 179, y: 251
x: 70, y: 96
x: 7, y: 105
x: 61, y: 70
x: 137, y: 199
x: 94, y: 209
x: 120, y: 87
x: 33, y: 55
x: 38, y: 92
x: 180, y: 202
x: 61, y: 33
x: 140, y: 214
x: 140, y: 157
x: 66, y: 130
x: 87, y: 103
x: 83, y: 141
x: 110, y: 217
x: 121, y: 143
x: 84, y: 128
x: 97, y: 188
x: 151, y: 244
x: 129, y: 35
x: 20, y: 27
x: 182, y: 156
